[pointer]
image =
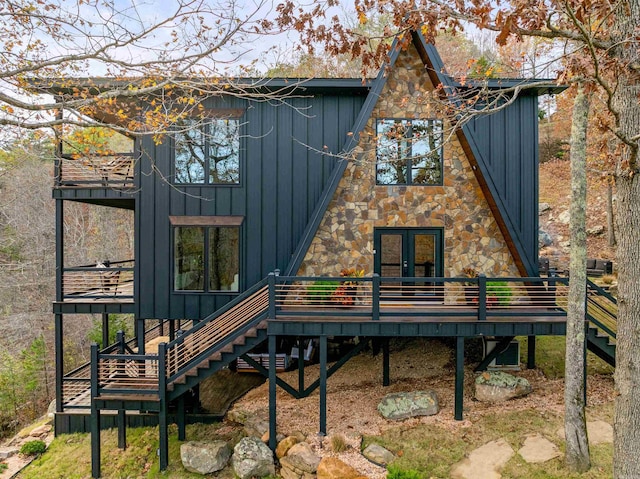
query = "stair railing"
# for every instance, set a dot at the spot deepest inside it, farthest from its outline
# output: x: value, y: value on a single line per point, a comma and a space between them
x: 602, y: 309
x: 216, y: 331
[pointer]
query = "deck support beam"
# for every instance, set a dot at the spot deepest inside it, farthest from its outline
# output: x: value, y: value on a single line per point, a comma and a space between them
x: 531, y: 352
x: 301, y: 352
x: 122, y: 429
x: 59, y: 342
x: 105, y: 330
x: 323, y: 385
x: 272, y: 393
x: 95, y: 415
x: 181, y: 419
x: 459, y: 394
x: 385, y: 362
x: 163, y: 423
x: 501, y: 346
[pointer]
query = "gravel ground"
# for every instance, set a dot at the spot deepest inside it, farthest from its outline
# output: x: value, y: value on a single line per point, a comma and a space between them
x: 354, y: 391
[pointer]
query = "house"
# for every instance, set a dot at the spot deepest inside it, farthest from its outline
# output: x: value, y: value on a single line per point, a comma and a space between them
x: 237, y: 218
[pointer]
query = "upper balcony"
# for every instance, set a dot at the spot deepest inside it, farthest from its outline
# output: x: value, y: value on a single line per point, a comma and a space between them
x: 95, y: 177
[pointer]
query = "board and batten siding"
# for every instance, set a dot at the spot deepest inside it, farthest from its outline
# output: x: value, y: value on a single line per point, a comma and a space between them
x: 508, y: 143
x: 282, y: 175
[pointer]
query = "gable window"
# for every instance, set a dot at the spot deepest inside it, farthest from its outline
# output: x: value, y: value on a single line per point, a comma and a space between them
x: 207, y: 151
x: 206, y: 256
x: 409, y: 152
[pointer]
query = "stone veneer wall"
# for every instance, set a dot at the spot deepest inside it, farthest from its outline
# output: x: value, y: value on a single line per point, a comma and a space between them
x: 345, y: 236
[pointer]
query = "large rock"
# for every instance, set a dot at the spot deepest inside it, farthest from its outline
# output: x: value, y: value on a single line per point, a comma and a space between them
x: 254, y: 424
x: 496, y: 386
x: 538, y: 449
x: 334, y: 468
x: 205, y: 457
x: 544, y: 238
x: 543, y: 208
x: 399, y: 406
x: 252, y: 458
x: 284, y: 446
x: 378, y: 454
x: 300, y: 462
x: 564, y: 217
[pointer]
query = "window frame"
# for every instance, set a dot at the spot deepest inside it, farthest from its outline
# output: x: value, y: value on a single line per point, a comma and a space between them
x: 206, y: 223
x: 410, y: 158
x: 206, y: 120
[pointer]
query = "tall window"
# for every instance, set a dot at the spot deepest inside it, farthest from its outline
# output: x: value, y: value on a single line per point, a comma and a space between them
x: 409, y: 152
x: 206, y: 259
x: 208, y: 151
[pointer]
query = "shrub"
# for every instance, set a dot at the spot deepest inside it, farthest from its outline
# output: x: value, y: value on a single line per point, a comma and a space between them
x: 33, y: 448
x: 320, y: 292
x: 3, y: 467
x: 499, y: 290
x: 395, y: 472
x: 338, y: 443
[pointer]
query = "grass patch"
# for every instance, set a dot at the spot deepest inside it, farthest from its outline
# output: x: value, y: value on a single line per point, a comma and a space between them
x: 550, y: 352
x: 431, y: 451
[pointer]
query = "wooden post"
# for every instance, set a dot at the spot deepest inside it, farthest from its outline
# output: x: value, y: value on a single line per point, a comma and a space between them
x: 272, y: 393
x: 59, y: 249
x: 163, y: 426
x: 323, y: 385
x: 531, y: 352
x: 482, y: 297
x: 301, y: 352
x: 182, y: 419
x: 59, y: 343
x: 105, y: 330
x: 122, y: 417
x: 375, y: 297
x: 95, y: 414
x: 385, y: 362
x: 272, y: 295
x: 459, y: 393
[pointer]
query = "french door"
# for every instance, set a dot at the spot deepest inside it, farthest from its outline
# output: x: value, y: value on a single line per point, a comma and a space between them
x: 408, y: 253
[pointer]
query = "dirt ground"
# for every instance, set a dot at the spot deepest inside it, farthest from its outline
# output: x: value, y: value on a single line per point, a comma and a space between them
x: 355, y: 391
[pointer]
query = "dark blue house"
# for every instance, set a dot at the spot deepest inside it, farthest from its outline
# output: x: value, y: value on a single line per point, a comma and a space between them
x: 342, y: 209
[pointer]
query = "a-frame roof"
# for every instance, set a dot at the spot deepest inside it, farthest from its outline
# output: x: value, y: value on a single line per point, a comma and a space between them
x: 526, y: 264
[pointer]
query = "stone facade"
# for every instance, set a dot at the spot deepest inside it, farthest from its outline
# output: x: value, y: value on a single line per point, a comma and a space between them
x: 471, y: 235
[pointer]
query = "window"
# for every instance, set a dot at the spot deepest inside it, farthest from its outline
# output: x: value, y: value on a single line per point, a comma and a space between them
x: 409, y: 152
x: 208, y: 151
x: 206, y: 258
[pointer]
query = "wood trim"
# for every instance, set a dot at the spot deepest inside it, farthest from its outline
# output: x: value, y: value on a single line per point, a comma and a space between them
x: 206, y: 220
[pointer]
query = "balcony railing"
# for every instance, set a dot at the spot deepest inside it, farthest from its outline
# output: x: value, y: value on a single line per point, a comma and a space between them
x: 376, y: 298
x: 99, y: 282
x: 92, y: 171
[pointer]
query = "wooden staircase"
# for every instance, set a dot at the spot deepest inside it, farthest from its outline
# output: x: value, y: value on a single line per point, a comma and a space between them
x: 148, y: 382
x: 602, y: 314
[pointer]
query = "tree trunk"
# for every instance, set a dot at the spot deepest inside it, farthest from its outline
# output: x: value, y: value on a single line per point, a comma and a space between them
x: 626, y: 439
x: 611, y: 232
x: 577, y: 454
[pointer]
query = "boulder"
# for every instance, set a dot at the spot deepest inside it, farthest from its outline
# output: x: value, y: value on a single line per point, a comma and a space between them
x: 538, y: 449
x: 334, y: 468
x: 254, y: 424
x: 543, y: 208
x: 252, y: 458
x: 284, y: 446
x: 399, y: 406
x: 41, y: 431
x: 7, y: 452
x: 564, y: 217
x: 544, y: 238
x: 497, y: 386
x: 595, y: 231
x: 378, y: 454
x: 300, y: 462
x: 204, y: 457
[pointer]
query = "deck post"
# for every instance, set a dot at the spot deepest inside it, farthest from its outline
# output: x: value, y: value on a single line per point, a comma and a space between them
x: 163, y: 426
x: 272, y: 393
x: 59, y: 249
x: 584, y: 359
x: 375, y: 297
x: 140, y: 329
x: 459, y: 393
x: 105, y: 330
x: 122, y: 418
x: 385, y: 362
x: 301, y: 365
x: 59, y: 360
x: 95, y: 414
x: 531, y: 352
x: 323, y: 385
x: 181, y: 419
x: 272, y: 295
x: 482, y: 297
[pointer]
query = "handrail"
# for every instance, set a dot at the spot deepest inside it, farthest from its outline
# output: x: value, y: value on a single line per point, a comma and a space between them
x: 96, y: 170
x: 478, y: 298
x: 217, y: 330
x: 603, y: 316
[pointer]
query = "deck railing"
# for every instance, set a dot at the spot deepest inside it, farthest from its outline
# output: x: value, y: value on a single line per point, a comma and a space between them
x: 94, y: 282
x: 114, y: 170
x: 375, y: 297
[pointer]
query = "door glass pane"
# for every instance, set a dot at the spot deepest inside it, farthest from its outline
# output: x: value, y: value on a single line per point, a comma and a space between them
x: 425, y: 254
x: 224, y: 249
x: 391, y: 255
x: 189, y: 259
